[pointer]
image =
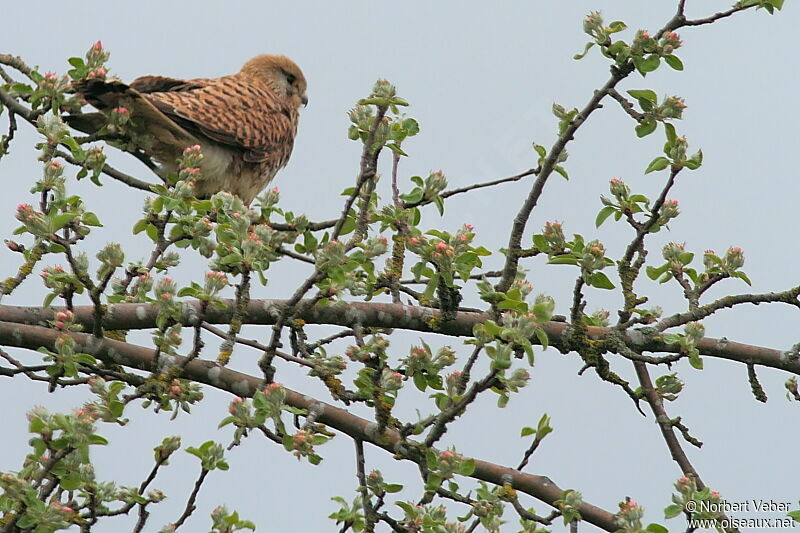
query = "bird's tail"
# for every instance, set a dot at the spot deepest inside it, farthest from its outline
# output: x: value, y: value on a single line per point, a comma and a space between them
x: 146, y: 121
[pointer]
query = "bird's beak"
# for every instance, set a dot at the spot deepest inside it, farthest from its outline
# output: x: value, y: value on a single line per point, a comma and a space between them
x: 304, y: 99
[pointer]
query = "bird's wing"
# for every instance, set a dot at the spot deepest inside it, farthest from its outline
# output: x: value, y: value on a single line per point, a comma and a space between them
x: 107, y: 95
x: 160, y: 84
x: 233, y: 111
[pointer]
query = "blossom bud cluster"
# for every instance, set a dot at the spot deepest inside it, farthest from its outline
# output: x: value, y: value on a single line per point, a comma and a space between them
x: 95, y: 158
x: 671, y: 107
x: 677, y: 152
x: 734, y: 258
x: 593, y: 256
x: 630, y: 516
x: 331, y: 255
x: 165, y: 290
x: 668, y: 211
x: 695, y: 331
x: 56, y: 278
x: 270, y: 197
x: 53, y: 170
x: 169, y: 339
x: 593, y: 25
x: 670, y: 42
x: 111, y: 255
x: 95, y: 59
x: 672, y: 252
x: 374, y: 346
x: 421, y: 359
x: 434, y: 184
x: 384, y: 89
x: 601, y: 318
x: 64, y: 319
x: 302, y: 443
x: 619, y: 190
x: 453, y: 384
x: 554, y: 235
x: 119, y: 116
x: 215, y: 281
x: 517, y: 380
x: 642, y: 42
x: 34, y: 221
x: 142, y: 284
x: 391, y: 381
x: 374, y: 247
x: 449, y: 462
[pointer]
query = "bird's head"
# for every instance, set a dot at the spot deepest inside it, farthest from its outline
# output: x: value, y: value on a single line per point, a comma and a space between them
x: 281, y: 74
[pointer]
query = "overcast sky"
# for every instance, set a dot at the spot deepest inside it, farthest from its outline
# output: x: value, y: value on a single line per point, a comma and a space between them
x: 481, y: 78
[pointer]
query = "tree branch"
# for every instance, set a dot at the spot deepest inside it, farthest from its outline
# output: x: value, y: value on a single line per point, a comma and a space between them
x: 239, y: 384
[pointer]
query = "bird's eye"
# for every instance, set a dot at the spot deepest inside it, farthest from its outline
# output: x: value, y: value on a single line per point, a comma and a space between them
x: 291, y: 78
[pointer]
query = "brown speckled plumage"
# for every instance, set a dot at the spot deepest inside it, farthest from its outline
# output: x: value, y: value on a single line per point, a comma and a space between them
x: 245, y: 123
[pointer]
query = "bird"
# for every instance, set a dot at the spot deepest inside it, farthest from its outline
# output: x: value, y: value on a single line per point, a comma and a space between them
x: 244, y: 123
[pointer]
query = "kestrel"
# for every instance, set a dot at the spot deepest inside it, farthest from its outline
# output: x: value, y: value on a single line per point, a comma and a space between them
x: 245, y: 123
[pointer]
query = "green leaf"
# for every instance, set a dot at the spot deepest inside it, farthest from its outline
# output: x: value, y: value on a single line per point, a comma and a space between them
x: 672, y: 511
x: 411, y: 126
x: 585, y: 51
x: 617, y: 26
x: 655, y: 272
x: 420, y: 381
x: 140, y: 226
x: 152, y: 232
x: 695, y: 360
x: 669, y: 129
x: 685, y: 257
x: 97, y: 439
x: 560, y: 170
x: 526, y: 431
x: 604, y: 213
x: 467, y: 467
x: 540, y: 242
x: 394, y: 147
x: 348, y: 226
x: 742, y: 276
x: 85, y: 359
x: 659, y: 163
x: 49, y: 299
x: 645, y: 94
x: 71, y: 481
x: 413, y: 197
x: 513, y: 304
x: 439, y: 202
x: 600, y: 281
x: 542, y: 337
x: 656, y: 528
x: 646, y: 127
x: 90, y: 219
x: 648, y: 64
x: 564, y: 259
x: 673, y: 62
x: 59, y: 221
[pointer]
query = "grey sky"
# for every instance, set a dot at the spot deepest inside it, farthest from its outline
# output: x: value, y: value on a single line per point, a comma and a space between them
x: 481, y: 78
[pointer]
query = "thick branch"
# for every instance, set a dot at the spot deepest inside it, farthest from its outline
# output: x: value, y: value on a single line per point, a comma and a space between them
x: 380, y: 315
x: 210, y: 373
